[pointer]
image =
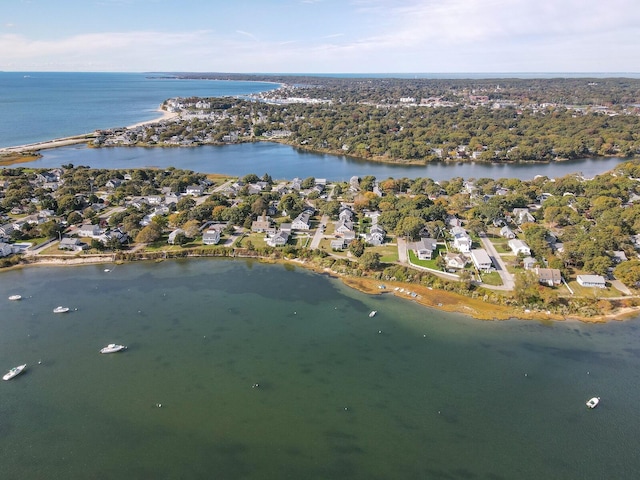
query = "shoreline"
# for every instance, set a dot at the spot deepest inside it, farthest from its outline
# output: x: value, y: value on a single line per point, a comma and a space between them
x: 76, y: 139
x: 440, y: 300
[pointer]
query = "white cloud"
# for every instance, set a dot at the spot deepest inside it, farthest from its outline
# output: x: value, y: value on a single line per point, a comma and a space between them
x: 391, y: 36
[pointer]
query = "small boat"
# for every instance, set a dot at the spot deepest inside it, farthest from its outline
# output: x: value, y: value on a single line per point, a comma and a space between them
x: 373, y: 313
x: 593, y: 402
x: 112, y: 348
x: 14, y: 371
x: 61, y: 309
x: 15, y: 297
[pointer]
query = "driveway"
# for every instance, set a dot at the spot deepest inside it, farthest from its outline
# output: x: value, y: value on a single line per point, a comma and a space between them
x: 501, y: 268
x: 319, y: 235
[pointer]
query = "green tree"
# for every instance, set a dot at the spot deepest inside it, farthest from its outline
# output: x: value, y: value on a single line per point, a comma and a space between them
x: 526, y: 287
x: 149, y: 234
x: 370, y: 260
x: 356, y: 247
x: 410, y: 227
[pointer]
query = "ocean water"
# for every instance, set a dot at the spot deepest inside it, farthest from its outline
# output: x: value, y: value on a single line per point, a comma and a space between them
x: 38, y: 106
x: 410, y: 393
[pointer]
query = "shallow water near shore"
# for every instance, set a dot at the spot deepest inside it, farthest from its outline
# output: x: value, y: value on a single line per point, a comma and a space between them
x: 409, y: 393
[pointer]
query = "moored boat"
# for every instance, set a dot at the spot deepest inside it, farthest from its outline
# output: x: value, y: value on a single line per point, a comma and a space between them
x: 61, y: 309
x: 14, y: 371
x: 15, y: 297
x: 593, y: 402
x: 113, y: 348
x: 373, y: 313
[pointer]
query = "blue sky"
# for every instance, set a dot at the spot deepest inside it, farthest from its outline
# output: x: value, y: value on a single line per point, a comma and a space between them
x: 321, y: 36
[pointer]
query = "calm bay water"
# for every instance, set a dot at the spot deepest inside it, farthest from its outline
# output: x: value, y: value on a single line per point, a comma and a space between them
x: 42, y: 106
x: 282, y: 161
x: 434, y: 395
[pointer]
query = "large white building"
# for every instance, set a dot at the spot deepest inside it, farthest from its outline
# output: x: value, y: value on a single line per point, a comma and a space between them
x: 481, y: 259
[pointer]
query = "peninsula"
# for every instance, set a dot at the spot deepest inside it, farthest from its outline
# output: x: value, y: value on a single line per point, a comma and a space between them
x: 491, y: 248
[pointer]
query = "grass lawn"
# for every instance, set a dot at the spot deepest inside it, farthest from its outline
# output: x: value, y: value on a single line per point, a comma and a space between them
x: 388, y: 253
x: 427, y: 263
x: 492, y: 278
x: 593, y: 292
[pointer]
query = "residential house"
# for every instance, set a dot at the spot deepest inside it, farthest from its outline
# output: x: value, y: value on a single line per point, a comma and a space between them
x: 195, y: 190
x: 424, y: 248
x: 461, y: 240
x: 373, y: 216
x: 211, y: 237
x: 6, y: 230
x: 522, y: 215
x: 597, y: 281
x: 338, y: 244
x: 344, y: 226
x: 302, y: 221
x: 154, y: 199
x: 506, y: 232
x: 455, y: 260
x: 262, y: 224
x: 88, y: 230
x: 549, y: 276
x: 113, y: 183
x: 346, y: 213
x: 348, y: 237
x: 278, y: 239
x: 354, y: 184
x: 5, y: 249
x: 72, y: 244
x: 481, y: 259
x: 172, y: 236
x: 529, y: 262
x: 619, y: 256
x: 519, y: 247
x: 376, y: 235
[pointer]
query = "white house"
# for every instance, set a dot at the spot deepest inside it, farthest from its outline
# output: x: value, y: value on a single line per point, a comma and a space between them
x: 302, y: 221
x: 173, y: 235
x: 88, y: 230
x: 278, y: 239
x: 375, y: 236
x: 518, y: 246
x: 211, y: 237
x: 456, y: 260
x: 597, y: 281
x: 506, y: 232
x: 424, y: 248
x: 462, y: 242
x: 344, y: 226
x: 195, y: 190
x: 73, y: 244
x: 481, y: 259
x: 522, y: 215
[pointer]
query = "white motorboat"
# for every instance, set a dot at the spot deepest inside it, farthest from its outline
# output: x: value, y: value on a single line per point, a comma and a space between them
x: 113, y: 348
x: 373, y: 313
x: 15, y: 297
x: 61, y: 309
x: 593, y: 402
x: 14, y: 371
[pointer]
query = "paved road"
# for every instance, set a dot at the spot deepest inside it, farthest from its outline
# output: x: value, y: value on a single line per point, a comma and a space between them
x: 319, y: 235
x: 501, y: 268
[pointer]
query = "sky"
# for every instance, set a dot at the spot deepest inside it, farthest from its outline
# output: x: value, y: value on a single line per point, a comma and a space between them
x: 320, y: 36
